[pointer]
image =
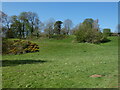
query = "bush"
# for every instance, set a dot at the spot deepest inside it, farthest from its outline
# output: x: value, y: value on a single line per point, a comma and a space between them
x: 106, y: 32
x: 86, y: 33
x: 90, y: 36
x: 19, y: 47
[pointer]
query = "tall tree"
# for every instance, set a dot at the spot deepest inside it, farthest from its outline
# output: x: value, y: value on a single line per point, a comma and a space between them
x: 49, y: 26
x: 24, y: 20
x: 37, y: 27
x: 30, y: 23
x: 32, y: 17
x: 6, y: 22
x: 57, y: 27
x: 75, y: 28
x: 16, y: 26
x: 5, y: 19
x: 67, y: 25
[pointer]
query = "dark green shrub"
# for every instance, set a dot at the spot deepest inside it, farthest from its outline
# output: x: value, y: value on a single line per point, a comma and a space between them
x: 106, y: 32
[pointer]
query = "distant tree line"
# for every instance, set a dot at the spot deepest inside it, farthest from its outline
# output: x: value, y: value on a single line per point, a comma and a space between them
x: 21, y: 26
x: 28, y: 24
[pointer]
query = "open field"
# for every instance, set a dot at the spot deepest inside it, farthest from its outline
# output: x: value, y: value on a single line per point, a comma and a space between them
x: 63, y: 64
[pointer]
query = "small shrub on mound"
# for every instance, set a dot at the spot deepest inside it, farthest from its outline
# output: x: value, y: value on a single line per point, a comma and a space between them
x: 21, y: 46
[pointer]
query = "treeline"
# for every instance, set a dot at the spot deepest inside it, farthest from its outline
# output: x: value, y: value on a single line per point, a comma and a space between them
x: 20, y: 26
x: 28, y: 24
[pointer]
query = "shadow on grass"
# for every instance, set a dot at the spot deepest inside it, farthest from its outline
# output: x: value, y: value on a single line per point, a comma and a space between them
x: 106, y: 41
x: 18, y: 62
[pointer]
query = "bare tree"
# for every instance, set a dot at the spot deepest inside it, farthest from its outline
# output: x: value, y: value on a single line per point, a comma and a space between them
x: 5, y: 20
x: 67, y: 25
x: 41, y: 27
x: 75, y: 28
x: 49, y: 26
x: 95, y: 24
x: 5, y: 23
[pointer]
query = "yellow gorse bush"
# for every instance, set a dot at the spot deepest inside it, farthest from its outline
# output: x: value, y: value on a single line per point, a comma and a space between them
x: 22, y: 46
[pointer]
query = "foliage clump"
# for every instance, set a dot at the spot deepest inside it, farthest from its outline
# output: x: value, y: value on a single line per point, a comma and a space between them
x: 89, y: 32
x: 107, y: 32
x: 19, y: 47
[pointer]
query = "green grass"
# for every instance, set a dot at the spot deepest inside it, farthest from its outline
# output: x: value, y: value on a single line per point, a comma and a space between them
x: 63, y: 64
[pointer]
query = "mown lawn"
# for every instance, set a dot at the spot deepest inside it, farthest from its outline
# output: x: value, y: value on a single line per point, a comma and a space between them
x: 63, y: 64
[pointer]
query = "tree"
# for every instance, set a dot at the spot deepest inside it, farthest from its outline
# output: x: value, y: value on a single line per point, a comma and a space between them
x: 63, y: 31
x: 32, y: 17
x: 75, y: 29
x: 37, y: 28
x: 107, y: 32
x: 95, y: 24
x: 30, y: 24
x: 5, y: 20
x: 23, y: 25
x: 87, y: 33
x: 57, y: 27
x: 49, y: 27
x: 41, y: 27
x: 23, y: 20
x: 6, y: 26
x: 67, y: 25
x: 16, y: 26
x: 88, y: 23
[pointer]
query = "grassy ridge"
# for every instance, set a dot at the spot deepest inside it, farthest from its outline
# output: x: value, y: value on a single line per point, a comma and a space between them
x: 63, y: 64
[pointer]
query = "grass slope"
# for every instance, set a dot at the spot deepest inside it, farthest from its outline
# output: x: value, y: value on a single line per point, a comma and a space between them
x: 63, y: 64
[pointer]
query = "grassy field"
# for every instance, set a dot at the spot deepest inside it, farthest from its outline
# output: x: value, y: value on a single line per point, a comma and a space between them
x: 63, y: 64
